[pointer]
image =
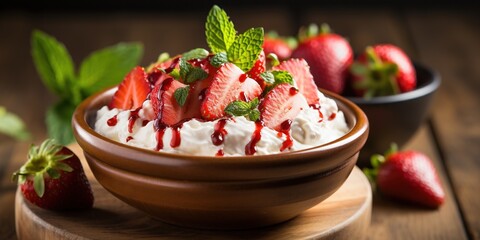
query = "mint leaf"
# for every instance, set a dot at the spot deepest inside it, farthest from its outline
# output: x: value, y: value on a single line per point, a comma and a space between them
x: 12, y: 125
x: 189, y: 73
x: 181, y: 95
x: 195, y: 74
x: 197, y: 53
x: 242, y: 108
x: 59, y: 124
x: 53, y: 63
x: 254, y: 115
x: 107, y: 67
x: 267, y: 77
x: 282, y: 77
x: 246, y: 49
x: 219, y: 30
x: 238, y: 108
x: 218, y: 59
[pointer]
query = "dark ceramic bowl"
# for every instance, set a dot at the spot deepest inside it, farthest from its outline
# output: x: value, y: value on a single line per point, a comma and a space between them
x: 220, y: 193
x: 396, y: 118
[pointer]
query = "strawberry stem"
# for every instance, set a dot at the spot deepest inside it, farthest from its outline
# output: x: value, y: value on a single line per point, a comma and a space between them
x: 377, y: 160
x: 42, y: 161
x: 378, y: 78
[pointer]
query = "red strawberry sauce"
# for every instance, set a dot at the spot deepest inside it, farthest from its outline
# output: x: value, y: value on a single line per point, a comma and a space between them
x: 220, y: 153
x: 112, y: 121
x: 332, y: 117
x: 160, y: 131
x: 218, y: 135
x: 133, y: 117
x: 285, y: 129
x: 317, y: 107
x: 243, y: 77
x: 176, y: 138
x: 293, y: 91
x: 256, y: 136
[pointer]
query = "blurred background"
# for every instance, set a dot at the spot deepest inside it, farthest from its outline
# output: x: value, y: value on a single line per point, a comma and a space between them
x: 443, y: 35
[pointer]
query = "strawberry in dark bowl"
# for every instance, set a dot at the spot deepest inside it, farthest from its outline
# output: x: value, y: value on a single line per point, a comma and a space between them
x: 220, y: 141
x: 395, y: 94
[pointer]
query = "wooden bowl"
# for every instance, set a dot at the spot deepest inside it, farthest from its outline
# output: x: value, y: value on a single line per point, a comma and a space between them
x: 396, y: 118
x: 219, y: 193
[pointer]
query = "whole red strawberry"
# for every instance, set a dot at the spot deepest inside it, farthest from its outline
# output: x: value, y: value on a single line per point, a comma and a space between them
x: 277, y: 46
x: 53, y: 178
x: 407, y: 175
x: 383, y: 69
x: 329, y: 56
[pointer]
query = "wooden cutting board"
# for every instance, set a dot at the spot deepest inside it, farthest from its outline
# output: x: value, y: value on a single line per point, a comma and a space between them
x: 344, y: 215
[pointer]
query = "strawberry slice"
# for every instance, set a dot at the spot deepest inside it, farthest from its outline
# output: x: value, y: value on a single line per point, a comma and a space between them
x: 258, y: 68
x: 164, y: 104
x: 229, y: 84
x: 132, y: 91
x: 282, y: 103
x: 300, y: 71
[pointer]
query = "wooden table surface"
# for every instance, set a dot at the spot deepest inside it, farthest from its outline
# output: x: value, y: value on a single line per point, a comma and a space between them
x: 444, y: 38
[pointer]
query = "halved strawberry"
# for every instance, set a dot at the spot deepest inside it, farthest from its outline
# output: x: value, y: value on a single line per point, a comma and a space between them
x: 132, y: 91
x: 300, y: 71
x: 282, y: 103
x: 164, y: 104
x: 227, y: 86
x: 258, y: 68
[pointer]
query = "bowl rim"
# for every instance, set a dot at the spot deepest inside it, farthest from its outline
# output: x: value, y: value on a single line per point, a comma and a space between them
x: 425, y: 89
x: 85, y: 133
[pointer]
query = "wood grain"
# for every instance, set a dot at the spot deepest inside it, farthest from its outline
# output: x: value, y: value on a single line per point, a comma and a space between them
x: 443, y: 38
x: 456, y: 118
x: 346, y: 213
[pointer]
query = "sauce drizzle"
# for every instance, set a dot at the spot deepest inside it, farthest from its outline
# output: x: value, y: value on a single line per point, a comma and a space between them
x: 250, y: 148
x: 218, y: 135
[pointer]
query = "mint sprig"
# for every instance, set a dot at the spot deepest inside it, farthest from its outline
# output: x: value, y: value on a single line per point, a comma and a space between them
x: 101, y: 69
x: 242, y: 50
x: 190, y: 73
x: 245, y: 50
x: 274, y: 78
x: 243, y: 108
x: 219, y: 30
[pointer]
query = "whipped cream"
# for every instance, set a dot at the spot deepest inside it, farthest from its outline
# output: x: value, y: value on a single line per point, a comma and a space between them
x: 235, y: 136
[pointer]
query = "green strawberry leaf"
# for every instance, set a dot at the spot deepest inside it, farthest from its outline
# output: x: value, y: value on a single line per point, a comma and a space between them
x: 59, y: 124
x: 53, y: 63
x: 246, y: 49
x: 39, y: 184
x: 107, y: 67
x: 219, y: 30
x: 12, y: 125
x: 53, y: 173
x: 181, y: 95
